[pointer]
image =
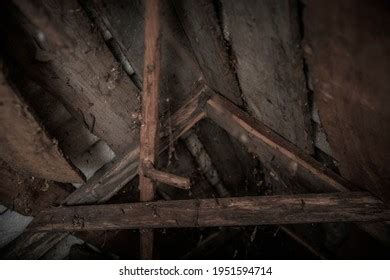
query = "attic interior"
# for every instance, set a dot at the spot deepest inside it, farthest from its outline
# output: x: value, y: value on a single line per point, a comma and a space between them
x: 194, y: 129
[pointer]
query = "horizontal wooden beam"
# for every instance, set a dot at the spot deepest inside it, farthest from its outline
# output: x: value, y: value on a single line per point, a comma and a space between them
x: 235, y: 211
x: 166, y: 178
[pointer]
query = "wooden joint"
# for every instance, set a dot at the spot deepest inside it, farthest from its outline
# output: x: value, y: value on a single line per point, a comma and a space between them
x: 170, y: 179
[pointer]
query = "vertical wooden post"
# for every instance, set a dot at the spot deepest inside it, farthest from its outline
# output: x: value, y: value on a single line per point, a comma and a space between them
x: 149, y: 128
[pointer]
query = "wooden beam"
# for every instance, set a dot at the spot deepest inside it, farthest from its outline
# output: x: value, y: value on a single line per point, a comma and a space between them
x: 200, y: 23
x: 205, y: 164
x: 235, y: 211
x: 25, y: 144
x: 84, y: 77
x: 150, y: 101
x: 112, y: 177
x: 166, y: 178
x: 254, y: 134
x: 257, y: 136
x: 274, y: 85
x: 109, y: 180
x: 356, y: 115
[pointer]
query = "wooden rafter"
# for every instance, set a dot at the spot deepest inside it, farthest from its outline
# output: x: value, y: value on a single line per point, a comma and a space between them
x: 253, y: 134
x: 234, y: 211
x: 25, y: 143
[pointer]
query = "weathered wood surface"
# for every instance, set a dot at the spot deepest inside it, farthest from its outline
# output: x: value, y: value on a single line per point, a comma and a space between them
x: 203, y: 160
x: 104, y: 184
x: 149, y: 138
x: 348, y: 50
x: 25, y: 194
x: 265, y: 40
x: 296, y: 163
x: 83, y: 148
x: 166, y: 178
x: 24, y: 142
x: 317, y: 208
x: 256, y: 136
x: 72, y: 135
x: 200, y: 23
x: 84, y: 76
x: 179, y: 69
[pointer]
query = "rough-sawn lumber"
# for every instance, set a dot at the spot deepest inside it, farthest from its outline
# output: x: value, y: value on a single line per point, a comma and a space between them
x: 234, y: 211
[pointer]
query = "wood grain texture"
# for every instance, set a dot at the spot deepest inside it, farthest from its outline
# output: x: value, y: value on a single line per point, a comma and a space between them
x: 72, y: 135
x: 24, y: 142
x: 110, y: 179
x: 296, y: 164
x: 200, y: 23
x: 85, y: 77
x: 149, y: 138
x: 179, y: 70
x: 348, y: 50
x: 234, y: 211
x: 256, y: 136
x: 265, y: 40
x: 166, y: 178
x: 25, y: 194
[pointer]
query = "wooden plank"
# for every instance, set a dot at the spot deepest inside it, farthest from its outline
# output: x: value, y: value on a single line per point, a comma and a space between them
x: 104, y: 184
x: 24, y: 142
x: 179, y: 69
x: 255, y: 135
x: 205, y: 164
x: 347, y: 48
x: 235, y: 211
x: 199, y: 20
x: 84, y: 77
x: 25, y: 194
x: 166, y: 178
x: 265, y: 40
